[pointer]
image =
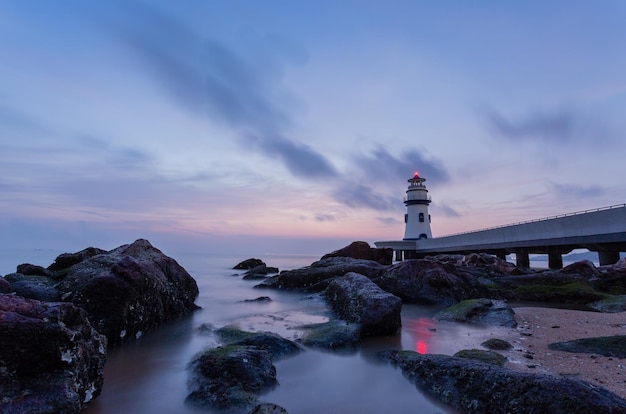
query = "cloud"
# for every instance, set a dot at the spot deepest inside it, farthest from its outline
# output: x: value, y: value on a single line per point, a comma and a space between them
x: 12, y: 119
x: 361, y: 196
x: 445, y: 210
x: 381, y: 166
x: 203, y: 76
x: 576, y: 191
x: 390, y: 221
x: 300, y: 159
x: 325, y: 217
x: 562, y: 126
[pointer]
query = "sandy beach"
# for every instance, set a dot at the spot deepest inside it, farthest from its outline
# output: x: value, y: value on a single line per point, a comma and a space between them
x: 538, y: 327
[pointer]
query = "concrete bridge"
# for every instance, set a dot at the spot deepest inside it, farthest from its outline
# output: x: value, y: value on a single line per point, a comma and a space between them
x: 602, y: 230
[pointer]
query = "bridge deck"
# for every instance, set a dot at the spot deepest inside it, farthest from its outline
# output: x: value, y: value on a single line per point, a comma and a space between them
x: 602, y: 230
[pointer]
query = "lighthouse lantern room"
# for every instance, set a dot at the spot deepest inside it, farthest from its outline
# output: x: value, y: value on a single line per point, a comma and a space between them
x: 417, y: 219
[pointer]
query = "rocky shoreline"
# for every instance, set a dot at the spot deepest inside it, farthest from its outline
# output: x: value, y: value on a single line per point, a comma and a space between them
x: 93, y: 300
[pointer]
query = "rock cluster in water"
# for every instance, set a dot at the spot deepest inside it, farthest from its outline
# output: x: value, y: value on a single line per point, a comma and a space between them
x: 475, y: 288
x: 56, y: 322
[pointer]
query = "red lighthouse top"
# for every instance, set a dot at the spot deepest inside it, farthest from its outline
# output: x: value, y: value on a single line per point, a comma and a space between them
x: 416, y: 179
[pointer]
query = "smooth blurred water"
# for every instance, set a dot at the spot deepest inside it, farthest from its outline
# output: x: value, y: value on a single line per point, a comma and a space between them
x: 149, y: 375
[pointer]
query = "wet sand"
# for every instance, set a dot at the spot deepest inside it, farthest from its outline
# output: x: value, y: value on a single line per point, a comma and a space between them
x: 539, y: 327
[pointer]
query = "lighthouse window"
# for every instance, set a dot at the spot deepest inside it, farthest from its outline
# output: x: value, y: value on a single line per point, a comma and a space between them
x: 406, y: 218
x: 421, y: 217
x: 429, y: 219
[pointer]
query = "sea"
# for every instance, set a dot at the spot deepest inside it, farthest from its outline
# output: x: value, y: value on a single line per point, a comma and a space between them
x: 149, y: 374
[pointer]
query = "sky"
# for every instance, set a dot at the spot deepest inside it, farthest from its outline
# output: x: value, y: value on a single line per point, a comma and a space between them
x: 292, y: 126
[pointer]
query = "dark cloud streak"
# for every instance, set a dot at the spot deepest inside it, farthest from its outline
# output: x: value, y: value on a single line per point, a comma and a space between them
x: 204, y: 76
x: 561, y: 127
x: 381, y: 166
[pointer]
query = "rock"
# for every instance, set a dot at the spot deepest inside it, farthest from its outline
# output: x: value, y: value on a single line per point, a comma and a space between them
x: 612, y: 279
x: 583, y: 268
x: 33, y: 270
x: 51, y: 358
x: 67, y: 260
x: 34, y: 287
x: 476, y: 387
x: 488, y: 357
x: 490, y: 264
x: 549, y: 286
x: 362, y: 250
x: 277, y: 346
x: 5, y: 286
x: 430, y: 282
x: 130, y: 290
x: 332, y: 336
x: 357, y: 299
x: 259, y: 272
x: 268, y: 408
x: 249, y: 264
x: 497, y: 344
x: 259, y: 299
x: 479, y: 312
x: 315, y: 278
x: 610, y: 346
x: 230, y: 377
x: 613, y: 304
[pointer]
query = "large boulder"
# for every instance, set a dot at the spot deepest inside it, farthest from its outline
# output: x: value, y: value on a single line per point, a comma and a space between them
x: 129, y: 290
x: 315, y: 278
x: 430, y: 282
x: 477, y: 387
x: 357, y: 299
x: 231, y: 377
x: 489, y: 312
x: 362, y: 250
x: 51, y: 358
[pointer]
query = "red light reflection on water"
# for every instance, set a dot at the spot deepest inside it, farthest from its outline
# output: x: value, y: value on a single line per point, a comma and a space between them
x: 422, y: 330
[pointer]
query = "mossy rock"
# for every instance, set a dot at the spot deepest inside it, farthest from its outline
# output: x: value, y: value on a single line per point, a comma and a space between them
x: 574, y: 292
x: 276, y: 345
x: 479, y: 311
x: 489, y: 357
x: 334, y: 335
x: 230, y: 334
x: 497, y: 344
x: 610, y: 346
x: 613, y: 304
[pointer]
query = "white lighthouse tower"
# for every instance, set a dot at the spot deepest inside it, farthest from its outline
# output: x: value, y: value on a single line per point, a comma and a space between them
x: 417, y: 219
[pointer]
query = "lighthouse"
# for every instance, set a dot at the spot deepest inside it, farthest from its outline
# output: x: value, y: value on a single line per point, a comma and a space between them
x: 417, y: 219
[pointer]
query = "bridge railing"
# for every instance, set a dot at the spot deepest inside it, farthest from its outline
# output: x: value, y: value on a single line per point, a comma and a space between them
x: 536, y: 220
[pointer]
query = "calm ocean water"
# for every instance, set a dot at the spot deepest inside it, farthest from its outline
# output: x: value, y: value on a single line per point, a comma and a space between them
x: 149, y: 375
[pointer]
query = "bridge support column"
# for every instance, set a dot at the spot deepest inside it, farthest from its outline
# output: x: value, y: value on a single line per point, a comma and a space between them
x: 555, y: 261
x: 608, y: 258
x: 522, y: 259
x: 398, y: 255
